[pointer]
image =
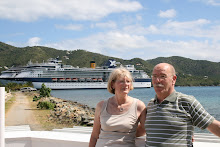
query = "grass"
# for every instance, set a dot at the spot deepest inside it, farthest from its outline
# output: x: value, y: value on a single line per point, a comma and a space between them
x: 42, y: 116
x: 9, y: 103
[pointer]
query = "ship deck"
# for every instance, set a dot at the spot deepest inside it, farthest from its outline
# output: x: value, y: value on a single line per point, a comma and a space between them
x: 22, y: 136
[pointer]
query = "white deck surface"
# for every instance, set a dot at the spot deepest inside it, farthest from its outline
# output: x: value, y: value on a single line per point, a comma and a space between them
x: 22, y: 136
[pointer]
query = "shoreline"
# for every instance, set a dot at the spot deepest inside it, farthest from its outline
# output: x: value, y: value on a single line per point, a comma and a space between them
x: 65, y: 114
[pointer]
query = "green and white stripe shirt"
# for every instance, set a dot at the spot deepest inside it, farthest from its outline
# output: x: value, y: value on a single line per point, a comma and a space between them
x: 172, y: 122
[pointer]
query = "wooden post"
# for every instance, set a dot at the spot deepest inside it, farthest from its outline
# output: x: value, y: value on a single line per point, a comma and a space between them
x: 2, y: 116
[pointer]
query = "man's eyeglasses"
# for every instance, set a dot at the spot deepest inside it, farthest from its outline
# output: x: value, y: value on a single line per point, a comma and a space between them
x: 161, y: 77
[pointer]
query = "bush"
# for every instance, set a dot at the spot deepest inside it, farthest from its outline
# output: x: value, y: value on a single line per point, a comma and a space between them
x: 35, y: 98
x: 15, y: 86
x: 46, y: 105
x: 44, y: 91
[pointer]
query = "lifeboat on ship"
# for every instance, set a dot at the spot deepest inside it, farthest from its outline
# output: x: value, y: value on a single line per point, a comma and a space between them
x: 100, y: 80
x: 94, y: 79
x: 88, y: 79
x: 82, y: 79
x: 62, y: 79
x: 54, y: 79
x: 74, y: 79
x: 68, y: 79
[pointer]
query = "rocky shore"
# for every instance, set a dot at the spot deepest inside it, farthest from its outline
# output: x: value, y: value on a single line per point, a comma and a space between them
x: 66, y: 112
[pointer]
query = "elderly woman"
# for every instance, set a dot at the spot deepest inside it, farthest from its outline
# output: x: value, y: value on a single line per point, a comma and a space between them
x: 119, y: 119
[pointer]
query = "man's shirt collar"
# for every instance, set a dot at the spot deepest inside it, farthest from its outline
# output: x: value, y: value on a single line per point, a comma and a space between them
x: 171, y: 98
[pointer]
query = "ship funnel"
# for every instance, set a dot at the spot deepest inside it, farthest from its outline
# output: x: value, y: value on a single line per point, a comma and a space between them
x: 111, y: 63
x: 92, y: 64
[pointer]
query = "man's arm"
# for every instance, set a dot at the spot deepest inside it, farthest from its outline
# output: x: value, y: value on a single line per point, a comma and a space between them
x: 214, y: 128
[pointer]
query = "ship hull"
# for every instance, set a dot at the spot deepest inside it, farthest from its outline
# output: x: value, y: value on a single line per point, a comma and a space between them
x: 84, y: 85
x: 37, y: 82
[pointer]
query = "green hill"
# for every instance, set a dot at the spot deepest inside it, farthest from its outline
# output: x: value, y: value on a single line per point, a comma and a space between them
x: 190, y: 72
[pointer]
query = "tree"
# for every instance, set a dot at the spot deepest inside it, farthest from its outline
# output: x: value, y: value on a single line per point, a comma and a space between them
x: 44, y: 91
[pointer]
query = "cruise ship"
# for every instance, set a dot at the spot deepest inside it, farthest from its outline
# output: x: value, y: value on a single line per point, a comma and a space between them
x: 55, y: 75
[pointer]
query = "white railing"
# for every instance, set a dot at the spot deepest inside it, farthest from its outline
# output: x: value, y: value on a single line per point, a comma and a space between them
x: 2, y: 116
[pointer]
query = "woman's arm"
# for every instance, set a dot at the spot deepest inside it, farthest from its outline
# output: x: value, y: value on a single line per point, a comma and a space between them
x: 96, y: 125
x: 142, y: 117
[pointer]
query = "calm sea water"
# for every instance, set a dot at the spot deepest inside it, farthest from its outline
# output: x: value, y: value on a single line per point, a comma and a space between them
x: 209, y: 97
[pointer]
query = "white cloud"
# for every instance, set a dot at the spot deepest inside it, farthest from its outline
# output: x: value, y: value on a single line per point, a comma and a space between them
x: 214, y: 2
x: 187, y: 24
x: 128, y: 46
x: 192, y: 49
x: 167, y: 14
x: 109, y: 24
x: 32, y: 10
x: 141, y: 30
x: 124, y: 42
x: 126, y: 35
x: 209, y: 2
x: 132, y: 41
x: 70, y: 27
x: 35, y: 41
x: 200, y: 28
x: 111, y: 40
x: 189, y: 28
x: 139, y: 17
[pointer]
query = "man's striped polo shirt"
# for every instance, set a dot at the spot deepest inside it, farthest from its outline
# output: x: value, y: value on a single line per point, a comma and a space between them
x: 172, y: 122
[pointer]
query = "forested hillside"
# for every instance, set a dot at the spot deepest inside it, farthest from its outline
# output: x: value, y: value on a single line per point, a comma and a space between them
x: 190, y: 72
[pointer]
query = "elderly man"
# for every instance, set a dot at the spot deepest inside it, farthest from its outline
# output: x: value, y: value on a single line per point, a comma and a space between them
x: 171, y: 116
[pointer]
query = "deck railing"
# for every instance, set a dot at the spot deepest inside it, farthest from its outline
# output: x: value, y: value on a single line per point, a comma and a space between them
x: 2, y: 116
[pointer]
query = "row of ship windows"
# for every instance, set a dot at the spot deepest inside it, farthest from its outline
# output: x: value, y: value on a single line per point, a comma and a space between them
x: 77, y: 75
x: 87, y: 84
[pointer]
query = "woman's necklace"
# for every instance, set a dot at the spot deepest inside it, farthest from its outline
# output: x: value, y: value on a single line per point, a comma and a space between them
x: 121, y: 109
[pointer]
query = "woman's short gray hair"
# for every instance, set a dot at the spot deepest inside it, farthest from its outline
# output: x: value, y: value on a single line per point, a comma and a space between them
x: 117, y: 73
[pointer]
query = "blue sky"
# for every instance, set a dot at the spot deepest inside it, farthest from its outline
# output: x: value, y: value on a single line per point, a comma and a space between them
x: 120, y: 28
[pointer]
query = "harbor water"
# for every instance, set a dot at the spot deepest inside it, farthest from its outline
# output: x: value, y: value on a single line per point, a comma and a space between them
x: 209, y: 97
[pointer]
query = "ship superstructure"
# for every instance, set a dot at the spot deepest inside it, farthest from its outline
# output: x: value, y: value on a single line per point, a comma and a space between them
x: 57, y: 76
